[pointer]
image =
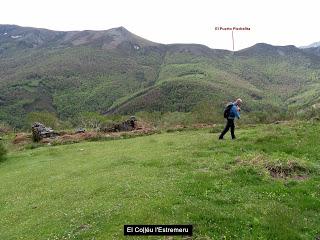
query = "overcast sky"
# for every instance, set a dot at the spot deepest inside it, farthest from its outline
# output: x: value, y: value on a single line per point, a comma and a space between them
x: 177, y: 21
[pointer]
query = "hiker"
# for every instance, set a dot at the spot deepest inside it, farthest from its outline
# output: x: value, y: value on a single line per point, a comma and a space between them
x: 232, y: 111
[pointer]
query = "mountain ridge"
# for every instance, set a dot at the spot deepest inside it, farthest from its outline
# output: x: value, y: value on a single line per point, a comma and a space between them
x: 116, y: 71
x: 312, y: 45
x: 6, y: 28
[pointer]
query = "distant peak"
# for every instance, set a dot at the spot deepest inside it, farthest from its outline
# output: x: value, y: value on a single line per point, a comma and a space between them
x: 120, y: 32
x: 312, y: 45
x: 120, y: 29
x: 263, y: 45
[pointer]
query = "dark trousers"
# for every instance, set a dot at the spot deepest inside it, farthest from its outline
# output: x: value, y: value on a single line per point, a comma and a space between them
x: 229, y: 125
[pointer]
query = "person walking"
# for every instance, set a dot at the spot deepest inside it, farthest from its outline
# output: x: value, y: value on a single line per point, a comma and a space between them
x: 232, y: 111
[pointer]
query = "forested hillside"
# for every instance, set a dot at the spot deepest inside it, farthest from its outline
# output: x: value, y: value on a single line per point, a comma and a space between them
x: 115, y: 71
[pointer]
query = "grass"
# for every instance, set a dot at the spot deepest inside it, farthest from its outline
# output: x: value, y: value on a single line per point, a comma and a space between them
x: 90, y: 190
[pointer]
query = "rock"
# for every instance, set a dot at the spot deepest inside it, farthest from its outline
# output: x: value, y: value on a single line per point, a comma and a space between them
x: 39, y: 131
x: 80, y: 130
x: 128, y: 125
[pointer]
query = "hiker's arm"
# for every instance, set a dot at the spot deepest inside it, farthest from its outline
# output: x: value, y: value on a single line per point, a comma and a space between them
x: 236, y: 113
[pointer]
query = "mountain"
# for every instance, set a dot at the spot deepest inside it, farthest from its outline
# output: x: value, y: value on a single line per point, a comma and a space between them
x: 116, y: 71
x: 36, y: 38
x: 312, y: 45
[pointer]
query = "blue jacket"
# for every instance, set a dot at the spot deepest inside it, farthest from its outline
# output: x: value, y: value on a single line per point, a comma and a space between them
x: 234, y: 112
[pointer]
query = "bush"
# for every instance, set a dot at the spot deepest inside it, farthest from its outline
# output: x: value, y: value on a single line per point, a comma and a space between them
x: 94, y: 120
x: 3, y: 151
x: 47, y: 118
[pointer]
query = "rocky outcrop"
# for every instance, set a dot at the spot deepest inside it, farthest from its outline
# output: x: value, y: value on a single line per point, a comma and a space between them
x: 127, y: 125
x: 39, y: 131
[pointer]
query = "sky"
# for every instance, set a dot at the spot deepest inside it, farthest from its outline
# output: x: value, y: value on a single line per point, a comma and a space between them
x: 277, y: 22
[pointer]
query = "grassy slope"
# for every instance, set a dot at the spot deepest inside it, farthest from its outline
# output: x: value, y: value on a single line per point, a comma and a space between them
x: 64, y: 192
x: 91, y: 78
x: 262, y: 79
x: 154, y: 77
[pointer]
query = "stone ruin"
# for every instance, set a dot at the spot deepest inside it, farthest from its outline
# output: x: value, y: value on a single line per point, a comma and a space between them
x: 127, y: 125
x: 39, y: 131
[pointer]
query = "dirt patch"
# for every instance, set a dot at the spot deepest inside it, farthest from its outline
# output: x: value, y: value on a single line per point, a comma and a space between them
x: 22, y: 138
x: 73, y: 137
x: 289, y: 169
x: 142, y: 128
x: 94, y: 135
x: 279, y: 169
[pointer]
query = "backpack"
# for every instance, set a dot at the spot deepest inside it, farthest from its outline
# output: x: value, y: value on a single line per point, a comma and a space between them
x: 227, y: 109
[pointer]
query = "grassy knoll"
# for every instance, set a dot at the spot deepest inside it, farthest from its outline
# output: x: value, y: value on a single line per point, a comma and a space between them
x: 264, y: 185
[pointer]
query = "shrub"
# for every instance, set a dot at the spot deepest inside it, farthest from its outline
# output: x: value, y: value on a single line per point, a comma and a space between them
x: 47, y: 118
x: 94, y: 120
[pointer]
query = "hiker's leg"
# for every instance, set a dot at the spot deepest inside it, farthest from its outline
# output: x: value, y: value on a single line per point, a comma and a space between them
x: 225, y: 130
x: 232, y: 129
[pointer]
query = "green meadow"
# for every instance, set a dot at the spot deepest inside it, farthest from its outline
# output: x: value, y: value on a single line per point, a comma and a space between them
x: 264, y: 185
